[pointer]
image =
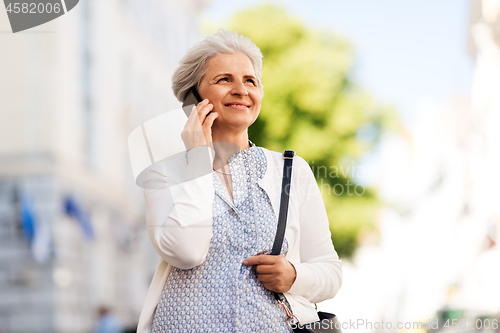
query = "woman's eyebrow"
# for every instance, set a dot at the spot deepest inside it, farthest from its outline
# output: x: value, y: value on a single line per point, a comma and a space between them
x: 229, y: 74
x: 223, y: 74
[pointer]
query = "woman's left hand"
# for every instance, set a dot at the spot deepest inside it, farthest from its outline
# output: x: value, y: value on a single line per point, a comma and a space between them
x: 275, y: 272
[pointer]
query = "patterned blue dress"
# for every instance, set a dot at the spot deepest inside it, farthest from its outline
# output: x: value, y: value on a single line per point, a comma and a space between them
x: 222, y: 294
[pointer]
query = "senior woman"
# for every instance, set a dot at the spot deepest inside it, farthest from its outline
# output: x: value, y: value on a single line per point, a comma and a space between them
x: 214, y: 235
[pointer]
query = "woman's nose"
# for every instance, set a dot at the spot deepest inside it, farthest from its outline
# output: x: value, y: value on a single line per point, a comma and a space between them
x: 239, y: 89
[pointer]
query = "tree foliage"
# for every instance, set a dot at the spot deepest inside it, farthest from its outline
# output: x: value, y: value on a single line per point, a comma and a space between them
x: 312, y: 105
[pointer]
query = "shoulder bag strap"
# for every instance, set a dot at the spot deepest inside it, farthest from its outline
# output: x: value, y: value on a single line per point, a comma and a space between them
x: 288, y: 156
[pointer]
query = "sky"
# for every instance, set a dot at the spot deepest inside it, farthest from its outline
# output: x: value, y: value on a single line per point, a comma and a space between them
x: 407, y: 52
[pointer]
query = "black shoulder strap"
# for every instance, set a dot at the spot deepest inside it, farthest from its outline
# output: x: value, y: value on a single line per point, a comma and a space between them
x: 288, y: 156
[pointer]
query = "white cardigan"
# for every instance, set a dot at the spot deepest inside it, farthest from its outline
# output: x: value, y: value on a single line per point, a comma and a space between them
x: 179, y: 220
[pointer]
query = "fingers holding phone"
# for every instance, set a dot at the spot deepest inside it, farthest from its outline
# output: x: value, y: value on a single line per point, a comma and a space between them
x: 207, y: 117
x: 198, y: 129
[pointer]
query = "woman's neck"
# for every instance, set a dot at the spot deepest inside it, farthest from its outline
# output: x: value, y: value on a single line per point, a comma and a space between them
x: 227, y: 144
x: 238, y: 139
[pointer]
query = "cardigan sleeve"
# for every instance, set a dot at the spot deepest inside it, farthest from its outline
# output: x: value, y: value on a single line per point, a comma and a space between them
x: 179, y: 195
x: 319, y: 272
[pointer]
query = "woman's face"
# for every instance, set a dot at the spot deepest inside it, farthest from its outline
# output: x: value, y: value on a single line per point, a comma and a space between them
x: 231, y: 86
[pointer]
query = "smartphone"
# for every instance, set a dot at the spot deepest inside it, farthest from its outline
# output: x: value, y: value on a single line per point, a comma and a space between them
x: 192, y: 98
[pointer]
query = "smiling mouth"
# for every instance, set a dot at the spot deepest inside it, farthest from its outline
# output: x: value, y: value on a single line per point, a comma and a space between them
x: 238, y: 106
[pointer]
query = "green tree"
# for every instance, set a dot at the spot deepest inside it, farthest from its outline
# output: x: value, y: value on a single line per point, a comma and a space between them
x: 312, y: 105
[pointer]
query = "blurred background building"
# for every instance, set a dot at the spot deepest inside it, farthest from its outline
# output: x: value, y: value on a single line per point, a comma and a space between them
x: 72, y: 224
x: 72, y: 235
x: 438, y: 255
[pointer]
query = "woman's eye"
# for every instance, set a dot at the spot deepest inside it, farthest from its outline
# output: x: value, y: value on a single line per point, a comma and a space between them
x: 251, y: 81
x: 224, y: 78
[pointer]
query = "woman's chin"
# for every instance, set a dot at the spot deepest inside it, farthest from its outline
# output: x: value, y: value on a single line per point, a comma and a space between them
x: 234, y: 123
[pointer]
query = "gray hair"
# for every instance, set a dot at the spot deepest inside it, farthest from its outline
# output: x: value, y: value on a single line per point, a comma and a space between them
x: 192, y: 66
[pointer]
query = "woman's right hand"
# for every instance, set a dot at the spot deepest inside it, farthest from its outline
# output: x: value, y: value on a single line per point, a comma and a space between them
x: 195, y: 135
